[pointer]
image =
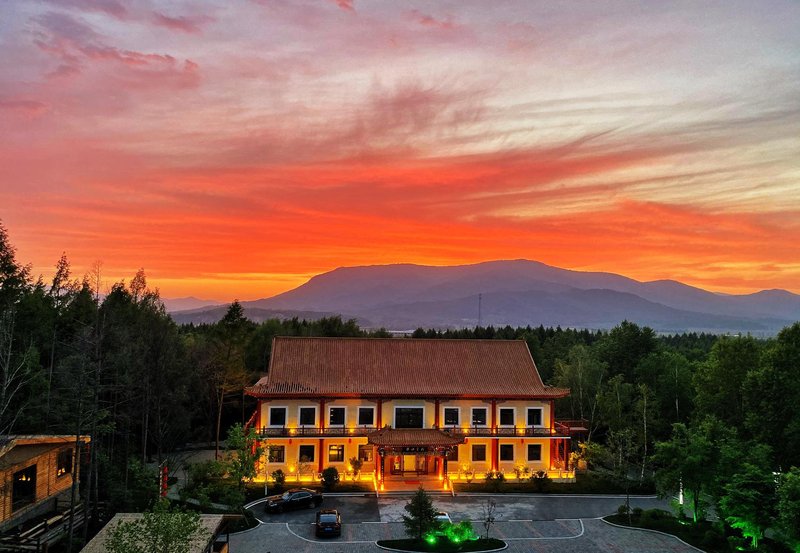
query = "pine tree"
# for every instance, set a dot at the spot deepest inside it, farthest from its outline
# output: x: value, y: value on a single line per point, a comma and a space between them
x: 421, y: 516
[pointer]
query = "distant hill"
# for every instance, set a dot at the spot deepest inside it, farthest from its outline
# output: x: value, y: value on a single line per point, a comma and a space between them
x: 182, y: 304
x: 522, y: 292
x: 210, y: 315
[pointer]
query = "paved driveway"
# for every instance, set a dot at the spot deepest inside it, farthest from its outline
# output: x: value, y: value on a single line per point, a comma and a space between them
x: 528, y: 524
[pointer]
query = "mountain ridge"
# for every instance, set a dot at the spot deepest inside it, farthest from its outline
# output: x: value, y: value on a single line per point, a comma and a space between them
x: 522, y: 292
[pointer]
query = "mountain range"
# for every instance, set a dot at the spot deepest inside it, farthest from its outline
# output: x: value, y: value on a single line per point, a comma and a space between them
x: 516, y: 292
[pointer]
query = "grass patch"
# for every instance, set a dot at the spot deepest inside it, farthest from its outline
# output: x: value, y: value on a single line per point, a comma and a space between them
x: 444, y: 545
x: 703, y: 535
x: 587, y: 483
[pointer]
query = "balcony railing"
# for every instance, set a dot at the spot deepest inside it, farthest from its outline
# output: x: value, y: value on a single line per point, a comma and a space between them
x: 314, y: 431
x: 559, y: 430
x: 518, y: 431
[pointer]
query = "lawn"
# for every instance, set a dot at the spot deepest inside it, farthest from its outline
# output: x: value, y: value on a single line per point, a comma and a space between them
x: 703, y: 535
x: 587, y: 483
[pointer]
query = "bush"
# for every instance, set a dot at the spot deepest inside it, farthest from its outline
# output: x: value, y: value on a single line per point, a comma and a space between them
x: 622, y: 510
x: 495, y: 479
x: 280, y: 479
x: 637, y: 511
x: 330, y: 477
x: 540, y: 481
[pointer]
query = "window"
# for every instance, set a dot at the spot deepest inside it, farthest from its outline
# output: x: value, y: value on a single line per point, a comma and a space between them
x: 277, y: 416
x: 507, y: 416
x: 534, y: 452
x: 336, y: 416
x: 64, y: 463
x: 23, y: 487
x: 479, y: 416
x: 451, y: 416
x: 506, y: 452
x: 452, y: 454
x: 276, y: 454
x: 534, y: 416
x: 308, y: 416
x: 478, y: 452
x: 408, y: 417
x: 366, y: 416
x: 365, y: 453
x: 305, y: 453
x: 336, y: 453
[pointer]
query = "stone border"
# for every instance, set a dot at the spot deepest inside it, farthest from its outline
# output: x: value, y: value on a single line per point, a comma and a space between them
x: 653, y: 531
x: 412, y: 551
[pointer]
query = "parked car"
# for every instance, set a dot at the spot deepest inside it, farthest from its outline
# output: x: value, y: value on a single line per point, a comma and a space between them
x: 329, y: 523
x: 442, y: 519
x: 297, y: 498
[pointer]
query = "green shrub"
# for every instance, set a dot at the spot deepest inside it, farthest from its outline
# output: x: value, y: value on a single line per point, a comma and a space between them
x: 495, y: 479
x: 622, y: 510
x: 330, y: 477
x: 280, y: 479
x: 637, y: 511
x: 540, y: 480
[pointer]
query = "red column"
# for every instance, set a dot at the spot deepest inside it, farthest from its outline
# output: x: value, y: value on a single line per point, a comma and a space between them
x: 322, y: 414
x: 258, y: 418
x: 380, y: 414
x: 436, y: 415
x: 552, y: 415
x: 321, y: 446
x: 495, y: 447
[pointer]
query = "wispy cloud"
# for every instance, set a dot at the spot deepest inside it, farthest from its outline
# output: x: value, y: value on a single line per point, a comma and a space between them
x: 288, y: 138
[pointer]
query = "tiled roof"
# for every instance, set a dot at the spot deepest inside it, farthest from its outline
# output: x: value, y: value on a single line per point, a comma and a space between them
x: 397, y: 367
x: 394, y: 437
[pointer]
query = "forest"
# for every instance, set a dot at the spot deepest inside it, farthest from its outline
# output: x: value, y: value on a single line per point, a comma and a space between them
x: 714, y: 416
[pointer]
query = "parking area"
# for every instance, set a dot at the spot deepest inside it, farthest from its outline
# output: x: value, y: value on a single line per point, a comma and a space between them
x: 527, y: 523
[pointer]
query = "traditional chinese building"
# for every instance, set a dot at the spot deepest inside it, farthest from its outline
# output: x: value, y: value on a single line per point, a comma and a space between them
x: 427, y: 408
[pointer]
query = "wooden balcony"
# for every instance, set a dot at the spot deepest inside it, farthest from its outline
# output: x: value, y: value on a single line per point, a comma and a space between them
x: 560, y: 430
x: 314, y: 431
x: 514, y: 432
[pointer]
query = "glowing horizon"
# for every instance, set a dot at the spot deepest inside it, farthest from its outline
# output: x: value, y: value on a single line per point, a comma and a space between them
x: 234, y: 151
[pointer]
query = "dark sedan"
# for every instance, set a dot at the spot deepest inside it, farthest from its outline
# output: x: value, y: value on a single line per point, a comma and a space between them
x: 298, y: 498
x: 329, y: 523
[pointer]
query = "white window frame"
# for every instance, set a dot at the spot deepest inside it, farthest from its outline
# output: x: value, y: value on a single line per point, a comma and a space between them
x: 344, y: 452
x: 500, y: 418
x: 396, y: 407
x: 285, y: 416
x: 285, y: 449
x: 444, y: 424
x: 500, y: 449
x: 528, y: 455
x: 541, y: 416
x: 472, y: 453
x: 316, y: 417
x: 358, y: 415
x: 472, y: 417
x: 328, y: 419
x: 307, y: 445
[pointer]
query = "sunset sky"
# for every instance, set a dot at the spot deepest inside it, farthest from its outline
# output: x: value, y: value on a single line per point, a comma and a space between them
x: 235, y: 148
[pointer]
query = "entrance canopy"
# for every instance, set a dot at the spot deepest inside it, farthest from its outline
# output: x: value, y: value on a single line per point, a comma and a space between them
x: 423, y: 438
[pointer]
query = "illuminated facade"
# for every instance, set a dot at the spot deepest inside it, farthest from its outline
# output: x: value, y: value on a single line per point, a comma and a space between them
x: 446, y: 409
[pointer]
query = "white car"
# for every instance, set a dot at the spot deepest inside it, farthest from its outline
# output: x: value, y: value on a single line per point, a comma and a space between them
x: 441, y: 517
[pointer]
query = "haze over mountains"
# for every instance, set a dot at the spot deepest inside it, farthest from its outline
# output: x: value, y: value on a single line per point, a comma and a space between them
x: 518, y: 293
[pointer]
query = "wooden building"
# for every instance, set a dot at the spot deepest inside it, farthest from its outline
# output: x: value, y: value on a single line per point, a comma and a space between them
x: 35, y: 471
x: 441, y: 409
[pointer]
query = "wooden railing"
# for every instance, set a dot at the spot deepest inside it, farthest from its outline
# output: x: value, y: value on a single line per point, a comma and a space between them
x: 519, y: 431
x: 560, y: 430
x: 314, y: 431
